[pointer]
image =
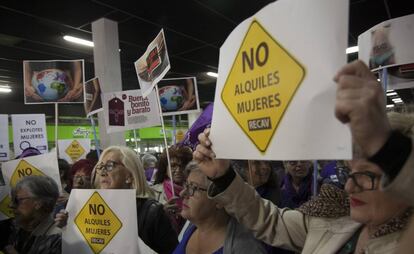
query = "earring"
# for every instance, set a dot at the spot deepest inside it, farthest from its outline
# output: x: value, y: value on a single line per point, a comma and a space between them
x: 128, y: 180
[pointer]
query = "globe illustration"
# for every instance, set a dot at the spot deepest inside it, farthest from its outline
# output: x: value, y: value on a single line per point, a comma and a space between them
x: 51, y: 84
x: 171, y: 98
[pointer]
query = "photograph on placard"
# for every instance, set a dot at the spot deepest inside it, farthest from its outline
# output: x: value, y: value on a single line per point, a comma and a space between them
x: 53, y: 81
x: 152, y: 66
x: 178, y: 96
x: 399, y: 77
x: 388, y: 44
x: 93, y: 102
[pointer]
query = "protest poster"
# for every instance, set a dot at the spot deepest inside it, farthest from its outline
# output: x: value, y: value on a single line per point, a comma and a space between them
x: 388, y: 43
x: 29, y: 131
x: 101, y: 221
x: 152, y: 66
x: 128, y: 110
x: 5, y: 211
x: 53, y: 81
x: 4, y: 138
x: 73, y: 150
x: 93, y: 102
x: 178, y: 96
x: 43, y: 164
x: 275, y: 92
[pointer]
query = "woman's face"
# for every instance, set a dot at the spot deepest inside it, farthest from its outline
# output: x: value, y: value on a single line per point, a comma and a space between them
x: 196, y: 205
x: 112, y: 174
x: 370, y: 205
x: 25, y: 207
x: 177, y: 171
x: 298, y: 169
x: 81, y: 180
x: 259, y: 173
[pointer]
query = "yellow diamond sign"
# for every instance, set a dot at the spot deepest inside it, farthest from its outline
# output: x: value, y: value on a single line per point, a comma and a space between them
x: 97, y: 223
x: 75, y: 150
x: 24, y: 169
x: 260, y: 85
x: 4, y: 207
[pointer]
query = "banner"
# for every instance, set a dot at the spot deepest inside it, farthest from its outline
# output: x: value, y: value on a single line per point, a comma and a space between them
x: 53, y: 81
x: 73, y: 150
x: 388, y: 43
x: 44, y: 164
x: 152, y: 66
x: 101, y: 221
x: 275, y: 92
x: 178, y: 96
x: 4, y: 138
x: 128, y: 110
x: 29, y: 131
x: 93, y: 102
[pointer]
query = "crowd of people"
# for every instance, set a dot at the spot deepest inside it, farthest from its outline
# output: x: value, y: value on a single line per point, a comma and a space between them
x: 206, y: 205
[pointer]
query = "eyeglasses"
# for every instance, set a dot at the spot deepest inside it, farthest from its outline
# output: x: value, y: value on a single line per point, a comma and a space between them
x: 108, y: 166
x: 17, y: 201
x: 190, y: 189
x: 81, y: 177
x: 364, y: 180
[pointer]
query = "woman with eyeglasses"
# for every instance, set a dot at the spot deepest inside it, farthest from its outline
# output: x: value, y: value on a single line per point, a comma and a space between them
x: 35, y: 232
x: 211, y: 230
x: 80, y: 174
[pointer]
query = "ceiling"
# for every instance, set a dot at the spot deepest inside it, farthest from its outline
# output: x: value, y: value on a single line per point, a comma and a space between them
x: 194, y: 31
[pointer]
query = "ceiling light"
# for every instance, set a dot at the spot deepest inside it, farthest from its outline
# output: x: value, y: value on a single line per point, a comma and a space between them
x: 390, y: 105
x: 212, y: 74
x: 391, y: 93
x: 390, y: 90
x: 397, y: 100
x: 351, y: 50
x: 78, y: 40
x: 5, y: 89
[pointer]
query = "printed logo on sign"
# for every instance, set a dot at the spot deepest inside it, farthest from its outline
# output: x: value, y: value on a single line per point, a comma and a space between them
x: 260, y: 85
x: 24, y: 169
x: 97, y: 223
x: 4, y: 207
x: 75, y: 150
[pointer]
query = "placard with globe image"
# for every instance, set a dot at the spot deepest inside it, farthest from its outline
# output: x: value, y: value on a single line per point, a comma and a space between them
x: 53, y: 81
x: 178, y: 96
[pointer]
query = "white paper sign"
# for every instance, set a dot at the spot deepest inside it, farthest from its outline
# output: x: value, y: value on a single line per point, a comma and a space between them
x: 73, y: 150
x: 128, y: 110
x: 275, y: 92
x: 152, y: 66
x: 101, y: 221
x: 4, y: 138
x: 29, y: 131
x: 389, y: 43
x: 44, y: 164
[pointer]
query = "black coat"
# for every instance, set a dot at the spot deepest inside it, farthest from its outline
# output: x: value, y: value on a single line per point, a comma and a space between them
x: 154, y: 226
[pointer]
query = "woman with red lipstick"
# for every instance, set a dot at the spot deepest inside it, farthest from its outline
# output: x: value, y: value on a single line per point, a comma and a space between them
x: 212, y: 230
x: 376, y: 219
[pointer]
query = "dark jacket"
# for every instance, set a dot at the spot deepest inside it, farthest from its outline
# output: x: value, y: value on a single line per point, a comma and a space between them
x: 154, y: 227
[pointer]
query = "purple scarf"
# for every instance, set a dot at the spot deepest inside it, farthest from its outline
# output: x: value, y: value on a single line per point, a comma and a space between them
x: 293, y: 199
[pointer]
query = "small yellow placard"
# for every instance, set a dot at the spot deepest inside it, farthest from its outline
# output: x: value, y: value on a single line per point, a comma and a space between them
x: 260, y: 85
x: 97, y: 223
x: 4, y: 207
x: 75, y: 150
x: 24, y: 169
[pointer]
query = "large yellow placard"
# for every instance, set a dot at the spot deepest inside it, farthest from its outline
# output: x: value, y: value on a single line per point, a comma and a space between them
x: 23, y: 169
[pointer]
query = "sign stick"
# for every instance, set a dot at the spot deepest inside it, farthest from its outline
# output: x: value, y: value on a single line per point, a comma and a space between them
x: 165, y: 137
x: 56, y: 127
x: 95, y: 137
x: 315, y: 179
x: 174, y: 130
x: 384, y: 79
x: 136, y: 141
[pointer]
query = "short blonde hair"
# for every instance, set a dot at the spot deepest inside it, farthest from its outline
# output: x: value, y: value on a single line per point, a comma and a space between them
x: 133, y: 164
x: 403, y: 122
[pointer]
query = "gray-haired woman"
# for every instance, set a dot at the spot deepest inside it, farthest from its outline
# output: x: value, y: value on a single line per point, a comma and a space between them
x: 33, y: 201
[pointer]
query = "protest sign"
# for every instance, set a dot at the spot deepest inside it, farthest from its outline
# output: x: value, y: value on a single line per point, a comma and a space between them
x: 152, y: 66
x: 4, y: 138
x: 53, y: 81
x: 44, y: 164
x: 178, y: 96
x: 73, y: 150
x: 275, y: 92
x: 128, y: 110
x: 101, y: 221
x: 5, y: 211
x: 29, y: 131
x: 93, y: 102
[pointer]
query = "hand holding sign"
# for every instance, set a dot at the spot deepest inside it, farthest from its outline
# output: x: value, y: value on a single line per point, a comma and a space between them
x: 360, y: 101
x: 205, y: 157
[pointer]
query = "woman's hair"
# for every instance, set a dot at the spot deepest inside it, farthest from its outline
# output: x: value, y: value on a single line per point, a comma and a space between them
x: 42, y: 188
x: 181, y: 153
x: 193, y: 167
x: 85, y: 165
x: 148, y: 159
x: 242, y: 168
x: 403, y: 122
x: 133, y: 164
